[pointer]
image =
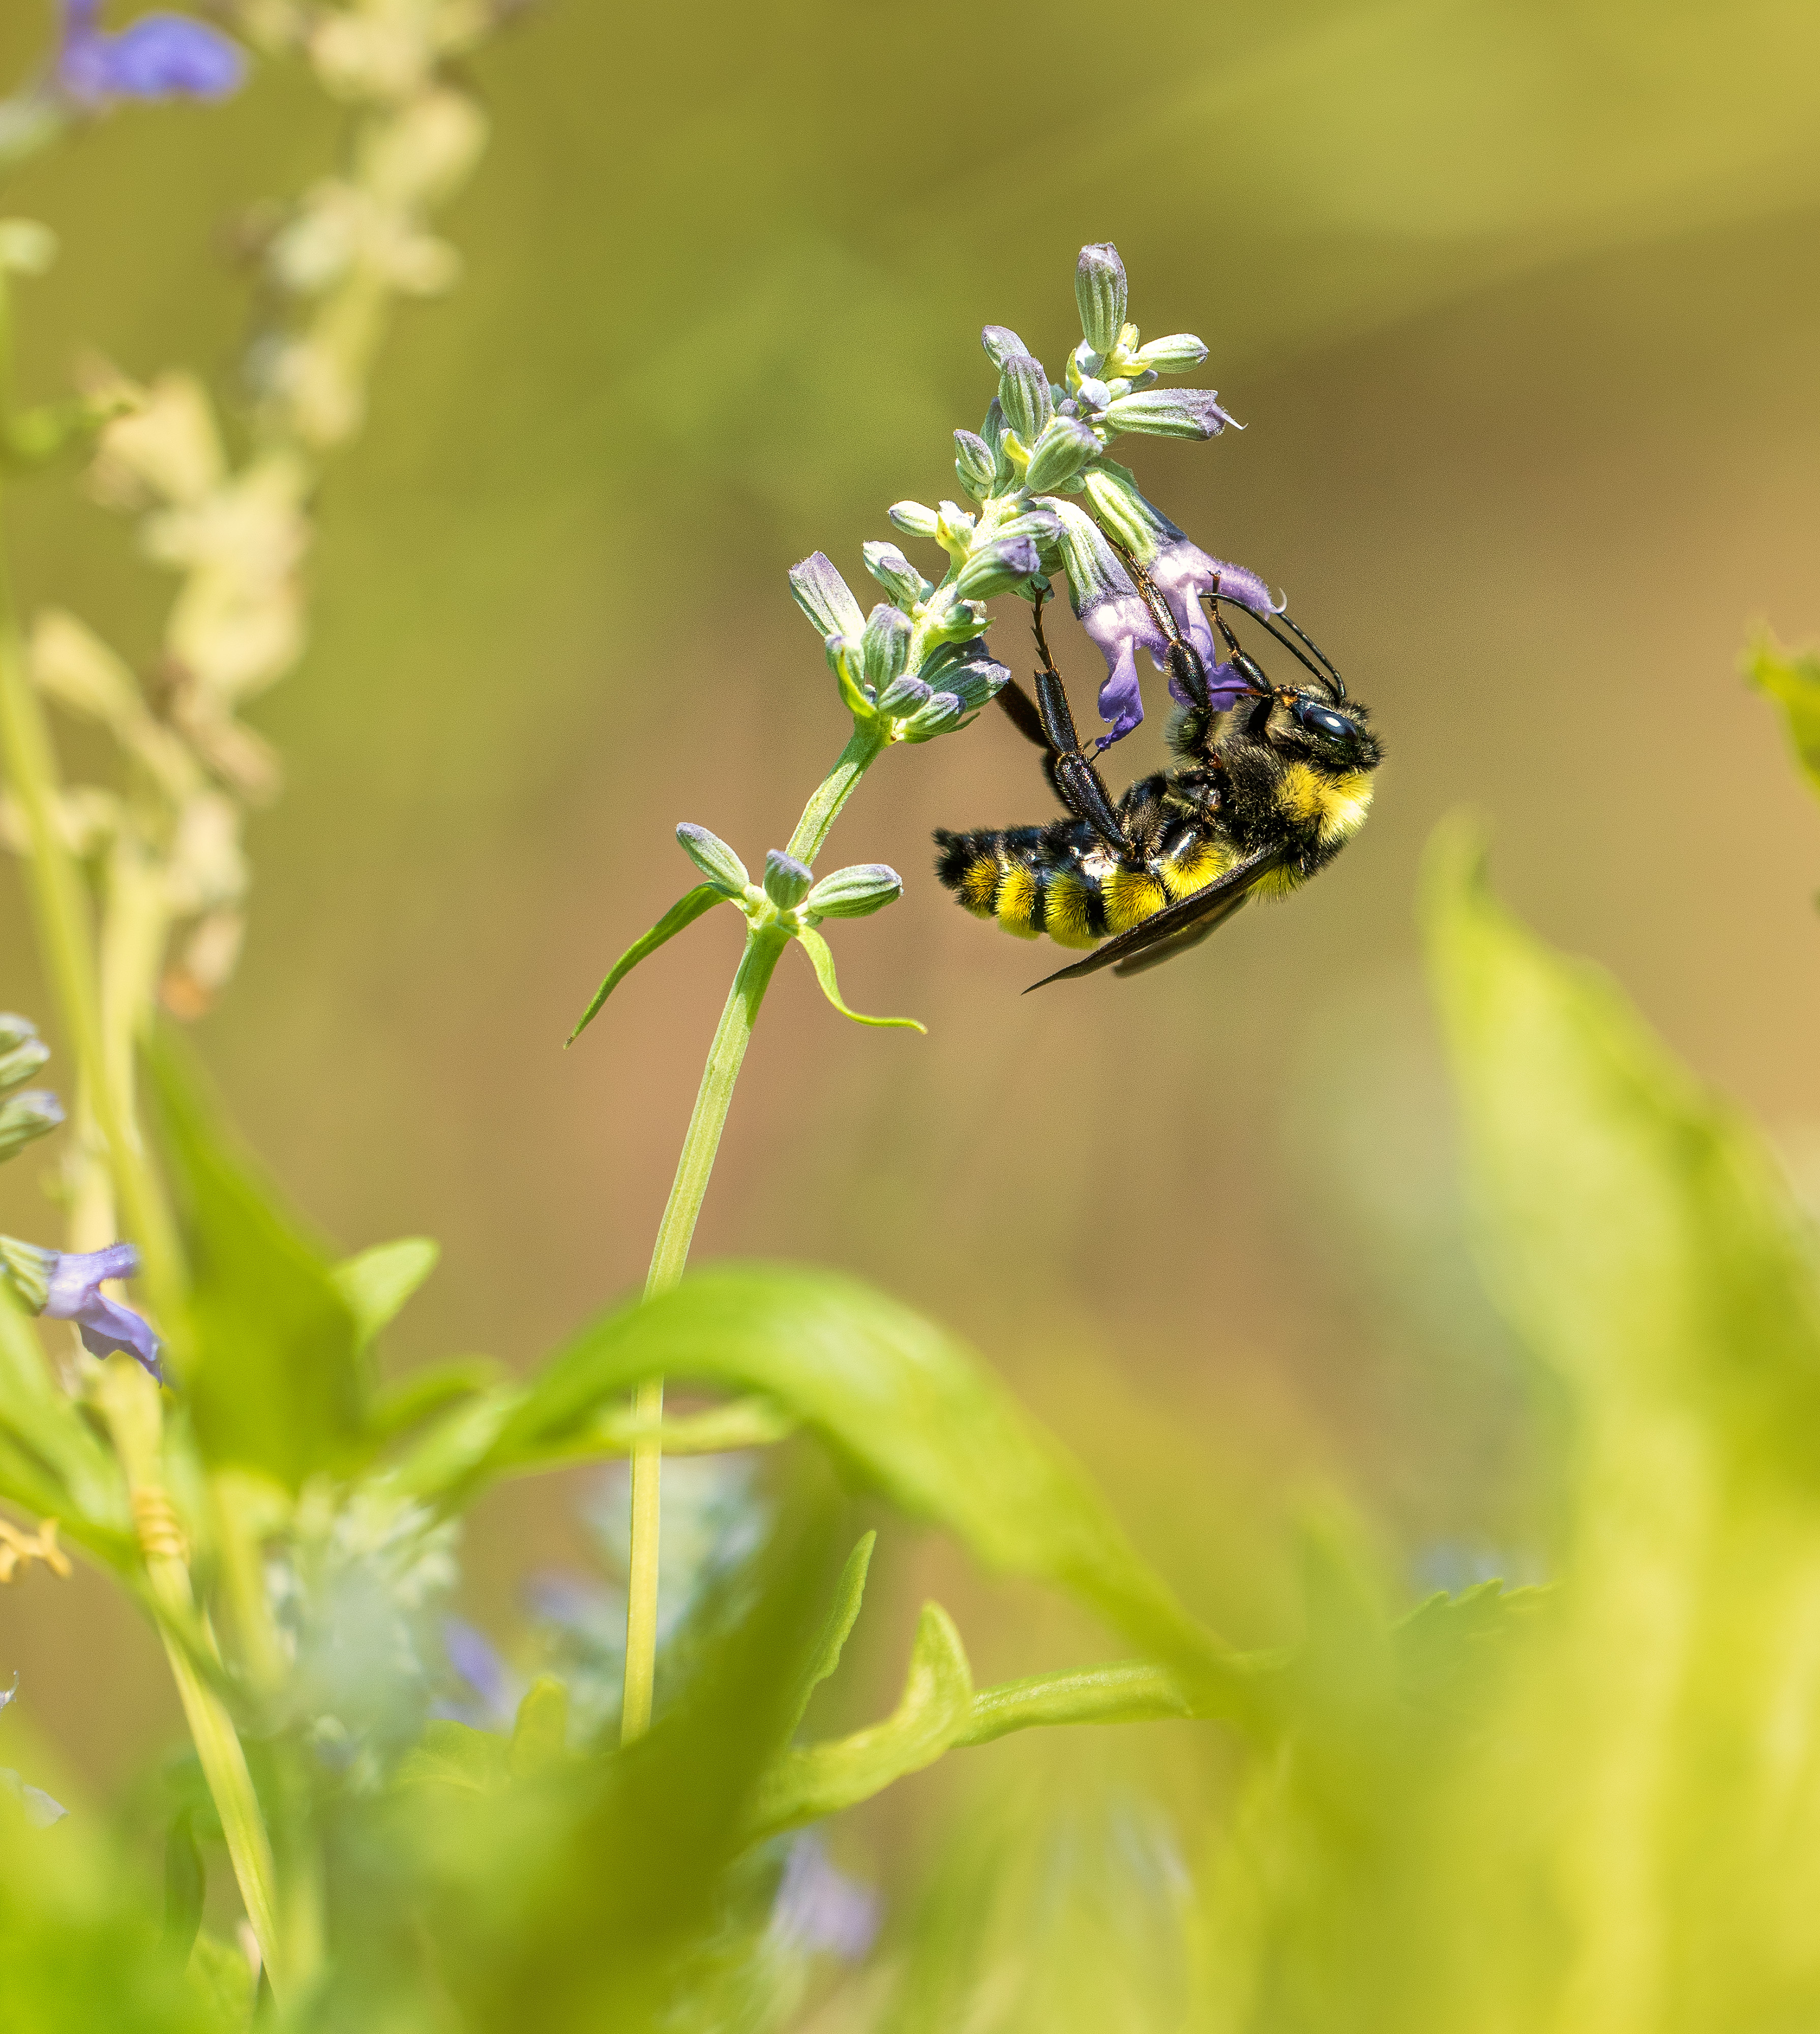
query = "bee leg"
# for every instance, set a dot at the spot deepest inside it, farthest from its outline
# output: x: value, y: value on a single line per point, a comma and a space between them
x: 1072, y: 778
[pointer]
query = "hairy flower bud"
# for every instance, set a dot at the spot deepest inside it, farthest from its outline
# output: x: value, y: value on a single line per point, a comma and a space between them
x: 975, y: 466
x: 1001, y: 342
x: 22, y: 1051
x: 855, y: 892
x: 912, y: 518
x: 715, y: 860
x: 903, y: 695
x: 969, y: 672
x: 895, y: 573
x: 1064, y: 448
x: 825, y: 598
x: 884, y: 648
x: 943, y: 711
x: 1168, y: 413
x: 786, y: 880
x: 997, y: 566
x: 1176, y: 354
x: 1100, y: 290
x: 32, y: 1112
x: 1024, y: 394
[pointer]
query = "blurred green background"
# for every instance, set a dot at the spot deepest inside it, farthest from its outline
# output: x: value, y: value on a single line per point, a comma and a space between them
x: 1520, y: 306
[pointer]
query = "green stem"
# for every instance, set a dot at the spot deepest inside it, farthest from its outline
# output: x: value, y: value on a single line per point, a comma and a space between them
x: 764, y: 947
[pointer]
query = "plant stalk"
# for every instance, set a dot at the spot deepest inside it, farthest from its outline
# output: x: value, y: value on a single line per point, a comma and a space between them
x: 764, y: 947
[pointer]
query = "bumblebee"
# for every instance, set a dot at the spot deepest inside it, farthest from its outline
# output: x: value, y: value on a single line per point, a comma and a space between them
x: 1270, y: 782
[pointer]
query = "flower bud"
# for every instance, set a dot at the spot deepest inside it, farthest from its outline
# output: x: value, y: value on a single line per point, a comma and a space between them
x: 1123, y: 513
x: 1001, y: 342
x: 1173, y: 355
x: 955, y: 529
x: 903, y: 695
x: 958, y: 622
x: 715, y: 860
x: 895, y: 573
x: 28, y: 1270
x: 967, y: 671
x: 996, y: 566
x: 1064, y: 448
x: 884, y: 648
x: 913, y: 518
x: 1100, y: 290
x: 855, y: 892
x: 22, y: 1051
x: 943, y: 711
x: 1024, y: 395
x: 975, y: 468
x: 787, y: 881
x: 33, y: 1112
x: 1169, y: 413
x: 823, y: 596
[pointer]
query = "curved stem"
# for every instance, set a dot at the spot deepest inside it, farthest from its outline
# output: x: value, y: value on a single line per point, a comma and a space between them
x: 764, y: 947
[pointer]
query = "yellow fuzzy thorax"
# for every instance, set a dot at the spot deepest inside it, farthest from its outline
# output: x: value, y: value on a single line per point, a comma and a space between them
x: 1337, y: 805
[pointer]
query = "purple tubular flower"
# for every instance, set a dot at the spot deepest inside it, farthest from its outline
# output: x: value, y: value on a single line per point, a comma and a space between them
x: 1181, y: 572
x: 159, y: 56
x: 74, y: 1294
x: 1112, y: 612
x: 818, y: 1908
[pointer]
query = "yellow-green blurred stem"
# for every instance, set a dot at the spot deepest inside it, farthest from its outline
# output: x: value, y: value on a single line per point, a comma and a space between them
x: 732, y: 1035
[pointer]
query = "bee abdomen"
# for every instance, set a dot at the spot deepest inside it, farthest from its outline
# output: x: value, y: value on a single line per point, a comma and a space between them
x: 1014, y: 875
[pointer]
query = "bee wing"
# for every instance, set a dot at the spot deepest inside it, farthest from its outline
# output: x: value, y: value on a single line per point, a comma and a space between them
x: 1176, y: 928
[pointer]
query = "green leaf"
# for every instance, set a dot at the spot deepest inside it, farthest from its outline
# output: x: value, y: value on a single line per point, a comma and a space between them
x: 1126, y: 1691
x: 540, y: 1729
x: 684, y: 912
x: 455, y: 1754
x: 50, y: 1461
x: 932, y: 1712
x: 271, y: 1370
x: 376, y: 1283
x: 1793, y: 682
x: 914, y: 1412
x: 821, y: 959
x: 420, y: 1394
x: 849, y: 1592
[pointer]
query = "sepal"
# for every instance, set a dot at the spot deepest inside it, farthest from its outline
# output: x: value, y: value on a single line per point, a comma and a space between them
x: 895, y: 573
x: 975, y: 466
x: 855, y: 892
x: 1168, y: 413
x: 885, y: 649
x: 825, y: 597
x: 22, y: 1051
x: 1060, y: 453
x: 912, y: 518
x: 1101, y: 292
x: 1176, y: 354
x: 715, y: 860
x: 787, y: 881
x: 1001, y: 342
x: 941, y: 712
x: 968, y: 672
x: 1024, y: 395
x: 31, y: 1113
x: 996, y: 567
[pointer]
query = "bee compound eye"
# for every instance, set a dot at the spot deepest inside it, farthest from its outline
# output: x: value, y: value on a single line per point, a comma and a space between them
x: 1323, y: 720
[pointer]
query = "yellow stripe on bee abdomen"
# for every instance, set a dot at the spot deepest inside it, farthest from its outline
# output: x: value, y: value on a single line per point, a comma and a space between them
x: 1131, y: 896
x: 1066, y: 918
x: 975, y: 887
x: 1194, y: 868
x: 1015, y: 905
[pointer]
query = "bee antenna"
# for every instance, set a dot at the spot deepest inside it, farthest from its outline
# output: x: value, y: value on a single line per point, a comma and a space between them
x: 1326, y: 670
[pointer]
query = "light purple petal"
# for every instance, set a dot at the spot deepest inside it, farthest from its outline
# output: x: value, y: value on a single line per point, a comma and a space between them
x: 818, y: 1909
x: 1182, y: 571
x: 109, y: 1328
x: 74, y: 1294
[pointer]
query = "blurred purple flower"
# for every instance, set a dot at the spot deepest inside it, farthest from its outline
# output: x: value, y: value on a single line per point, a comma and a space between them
x: 73, y: 1283
x: 819, y: 1908
x: 159, y: 56
x: 476, y: 1660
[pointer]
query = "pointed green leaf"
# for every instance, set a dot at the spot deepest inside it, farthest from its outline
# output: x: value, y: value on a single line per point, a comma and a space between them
x: 376, y: 1283
x: 455, y: 1755
x: 915, y: 1411
x: 821, y: 959
x: 849, y: 1592
x: 1127, y: 1691
x: 684, y: 912
x: 540, y: 1729
x: 818, y: 1780
x: 273, y: 1373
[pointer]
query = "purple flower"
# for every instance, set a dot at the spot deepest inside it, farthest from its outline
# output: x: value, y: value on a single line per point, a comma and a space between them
x: 159, y: 56
x: 819, y: 1908
x: 1112, y: 612
x: 73, y: 1293
x: 1181, y: 572
x: 472, y: 1655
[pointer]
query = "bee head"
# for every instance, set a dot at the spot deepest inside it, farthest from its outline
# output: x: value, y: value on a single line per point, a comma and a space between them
x: 1333, y: 732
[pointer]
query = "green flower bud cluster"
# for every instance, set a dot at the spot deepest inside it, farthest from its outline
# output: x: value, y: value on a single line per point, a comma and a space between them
x: 26, y: 1113
x: 790, y: 897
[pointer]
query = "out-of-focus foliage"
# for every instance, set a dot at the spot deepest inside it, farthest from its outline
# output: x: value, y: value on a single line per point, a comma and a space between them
x: 1792, y: 678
